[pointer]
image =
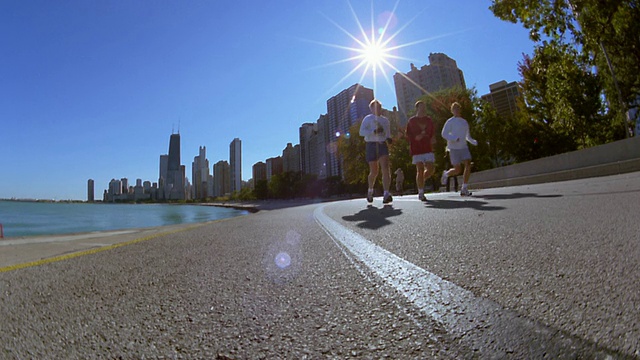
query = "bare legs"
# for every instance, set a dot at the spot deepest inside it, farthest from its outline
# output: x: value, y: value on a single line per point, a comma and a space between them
x: 423, y: 172
x: 386, y: 173
x: 456, y: 170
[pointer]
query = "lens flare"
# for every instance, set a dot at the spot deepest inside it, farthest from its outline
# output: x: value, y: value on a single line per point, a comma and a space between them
x: 283, y: 260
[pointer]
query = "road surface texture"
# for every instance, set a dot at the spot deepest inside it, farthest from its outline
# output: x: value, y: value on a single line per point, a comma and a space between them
x: 539, y: 271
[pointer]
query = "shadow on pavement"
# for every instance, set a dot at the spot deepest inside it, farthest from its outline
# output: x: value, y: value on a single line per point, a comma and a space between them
x: 373, y: 217
x: 458, y: 204
x: 513, y: 196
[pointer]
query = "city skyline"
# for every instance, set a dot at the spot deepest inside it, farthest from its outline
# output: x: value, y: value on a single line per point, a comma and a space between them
x: 119, y: 76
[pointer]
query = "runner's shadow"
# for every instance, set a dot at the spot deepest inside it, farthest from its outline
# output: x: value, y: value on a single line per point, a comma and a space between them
x: 373, y: 217
x: 513, y: 196
x: 461, y: 204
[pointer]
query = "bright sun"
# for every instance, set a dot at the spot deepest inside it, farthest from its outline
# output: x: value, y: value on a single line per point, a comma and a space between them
x: 374, y: 54
x: 372, y: 49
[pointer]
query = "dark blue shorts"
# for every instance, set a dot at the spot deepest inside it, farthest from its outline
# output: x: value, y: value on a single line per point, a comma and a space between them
x: 374, y: 150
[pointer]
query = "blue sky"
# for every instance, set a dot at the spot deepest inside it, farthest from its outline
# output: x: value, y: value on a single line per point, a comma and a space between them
x: 94, y: 89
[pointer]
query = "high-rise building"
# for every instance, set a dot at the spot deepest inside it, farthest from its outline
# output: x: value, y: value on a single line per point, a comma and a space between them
x: 147, y: 186
x: 318, y: 148
x: 138, y: 190
x: 291, y: 158
x: 90, y: 190
x: 274, y: 167
x: 210, y: 185
x: 502, y: 97
x: 441, y: 73
x: 174, y: 184
x: 200, y: 174
x: 312, y: 147
x: 164, y: 166
x: 235, y: 164
x: 221, y: 178
x: 162, y: 179
x: 343, y: 110
x: 306, y: 131
x: 259, y: 170
x: 115, y: 191
x: 125, y: 185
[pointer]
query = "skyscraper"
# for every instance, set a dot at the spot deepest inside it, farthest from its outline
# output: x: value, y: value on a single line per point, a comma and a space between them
x: 235, y: 164
x: 318, y: 148
x: 221, y: 179
x: 291, y: 158
x: 312, y: 148
x: 200, y: 174
x: 441, y: 73
x: 274, y: 166
x: 90, y: 190
x: 343, y: 110
x: 259, y: 172
x: 162, y: 179
x: 502, y: 97
x: 306, y: 132
x: 174, y: 183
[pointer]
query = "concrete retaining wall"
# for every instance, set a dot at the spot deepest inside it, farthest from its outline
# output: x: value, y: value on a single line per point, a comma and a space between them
x: 608, y: 159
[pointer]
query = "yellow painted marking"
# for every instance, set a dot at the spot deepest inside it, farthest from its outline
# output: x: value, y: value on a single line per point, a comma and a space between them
x: 92, y: 251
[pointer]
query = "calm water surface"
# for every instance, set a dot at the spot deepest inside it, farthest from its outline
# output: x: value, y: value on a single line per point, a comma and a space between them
x: 34, y: 218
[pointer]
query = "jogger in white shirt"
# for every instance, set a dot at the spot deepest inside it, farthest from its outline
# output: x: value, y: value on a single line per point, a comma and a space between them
x: 456, y: 132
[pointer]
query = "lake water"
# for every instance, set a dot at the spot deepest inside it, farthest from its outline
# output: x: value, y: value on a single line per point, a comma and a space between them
x: 37, y: 218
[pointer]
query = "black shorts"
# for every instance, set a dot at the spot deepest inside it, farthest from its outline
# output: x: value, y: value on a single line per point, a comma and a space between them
x: 375, y: 150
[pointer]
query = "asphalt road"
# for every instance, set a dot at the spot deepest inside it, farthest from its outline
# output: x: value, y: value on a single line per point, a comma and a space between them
x: 540, y: 271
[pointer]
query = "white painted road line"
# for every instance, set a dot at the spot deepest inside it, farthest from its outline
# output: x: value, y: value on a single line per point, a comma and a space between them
x: 481, y: 323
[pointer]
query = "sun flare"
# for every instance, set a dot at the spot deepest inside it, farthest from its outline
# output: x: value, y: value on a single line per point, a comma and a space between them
x: 373, y: 49
x: 374, y: 54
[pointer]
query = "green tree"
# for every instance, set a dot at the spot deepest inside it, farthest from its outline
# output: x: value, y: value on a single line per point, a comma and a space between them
x: 351, y: 148
x: 494, y: 132
x: 600, y: 33
x: 563, y: 98
x: 285, y: 185
x: 261, y: 189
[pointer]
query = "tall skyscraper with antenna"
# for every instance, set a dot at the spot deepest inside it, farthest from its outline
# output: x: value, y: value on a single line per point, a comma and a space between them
x: 172, y: 178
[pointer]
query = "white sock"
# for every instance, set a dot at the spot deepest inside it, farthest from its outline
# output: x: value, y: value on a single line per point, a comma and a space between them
x: 464, y: 187
x: 421, y: 191
x: 386, y: 193
x: 370, y: 191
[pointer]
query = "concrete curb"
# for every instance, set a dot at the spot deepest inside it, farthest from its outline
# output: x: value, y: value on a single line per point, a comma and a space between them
x: 614, y: 158
x: 619, y: 167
